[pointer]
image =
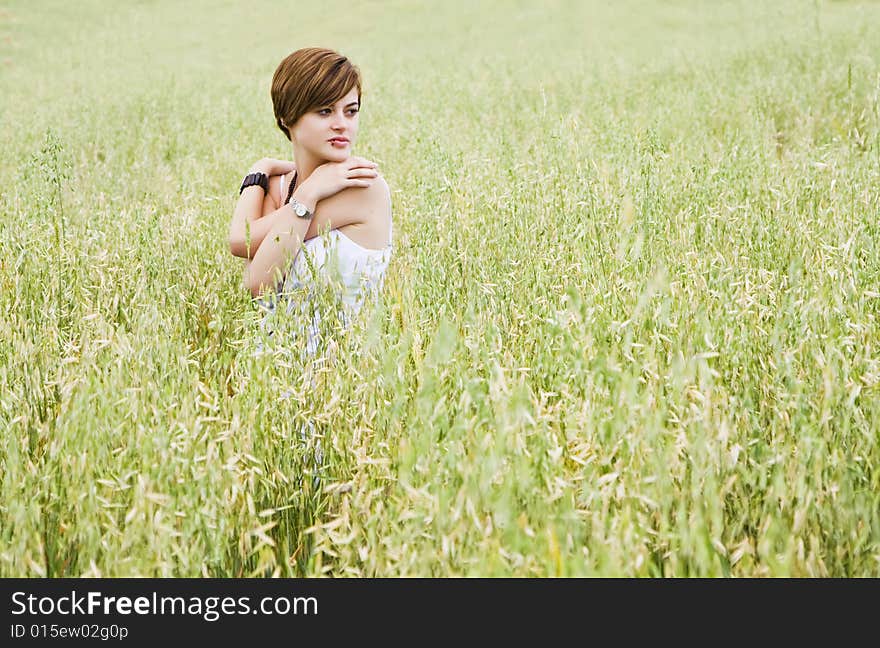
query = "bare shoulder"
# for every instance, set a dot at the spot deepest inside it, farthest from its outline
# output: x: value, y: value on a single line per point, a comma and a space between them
x: 363, y: 214
x: 371, y: 201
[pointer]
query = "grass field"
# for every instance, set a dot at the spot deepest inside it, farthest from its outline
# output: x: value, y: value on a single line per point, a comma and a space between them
x: 630, y: 327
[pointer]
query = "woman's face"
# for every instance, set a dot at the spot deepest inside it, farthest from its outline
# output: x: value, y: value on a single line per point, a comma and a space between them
x: 329, y: 132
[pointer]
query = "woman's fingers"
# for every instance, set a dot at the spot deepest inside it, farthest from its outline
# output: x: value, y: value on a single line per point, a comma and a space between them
x: 277, y: 167
x: 283, y: 166
x: 361, y: 173
x: 356, y: 162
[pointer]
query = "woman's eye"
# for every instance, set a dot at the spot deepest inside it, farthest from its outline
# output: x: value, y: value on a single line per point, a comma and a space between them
x: 327, y: 111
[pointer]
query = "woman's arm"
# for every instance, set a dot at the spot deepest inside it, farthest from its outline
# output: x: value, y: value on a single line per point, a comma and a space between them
x: 249, y: 209
x: 286, y: 232
x: 247, y: 234
x: 348, y: 207
x: 245, y: 239
x: 285, y: 235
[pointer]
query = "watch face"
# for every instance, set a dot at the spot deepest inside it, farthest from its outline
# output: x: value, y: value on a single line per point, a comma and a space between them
x: 300, y: 209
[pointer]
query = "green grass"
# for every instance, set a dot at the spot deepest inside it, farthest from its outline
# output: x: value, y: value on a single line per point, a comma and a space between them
x: 630, y: 327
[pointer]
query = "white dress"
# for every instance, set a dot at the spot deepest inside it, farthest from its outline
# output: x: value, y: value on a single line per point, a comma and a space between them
x: 357, y: 273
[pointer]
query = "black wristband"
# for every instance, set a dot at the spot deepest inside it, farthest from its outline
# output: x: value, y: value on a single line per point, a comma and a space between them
x: 257, y: 178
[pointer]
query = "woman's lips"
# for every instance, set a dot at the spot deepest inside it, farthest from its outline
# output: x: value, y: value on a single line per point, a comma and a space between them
x: 339, y: 143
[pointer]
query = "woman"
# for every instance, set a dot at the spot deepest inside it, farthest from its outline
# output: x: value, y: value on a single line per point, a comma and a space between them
x: 284, y: 207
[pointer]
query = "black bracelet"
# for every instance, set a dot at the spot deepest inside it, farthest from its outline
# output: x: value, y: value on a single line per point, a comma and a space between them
x: 257, y: 178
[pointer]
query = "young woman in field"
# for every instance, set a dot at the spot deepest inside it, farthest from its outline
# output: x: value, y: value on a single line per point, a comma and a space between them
x: 284, y: 207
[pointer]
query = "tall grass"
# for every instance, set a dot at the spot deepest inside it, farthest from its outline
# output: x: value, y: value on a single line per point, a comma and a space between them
x: 630, y: 327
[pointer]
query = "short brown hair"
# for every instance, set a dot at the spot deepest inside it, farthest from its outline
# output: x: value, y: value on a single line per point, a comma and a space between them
x: 312, y: 77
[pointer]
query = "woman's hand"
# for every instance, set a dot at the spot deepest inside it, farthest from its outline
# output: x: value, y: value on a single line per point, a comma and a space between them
x: 272, y: 167
x: 332, y: 177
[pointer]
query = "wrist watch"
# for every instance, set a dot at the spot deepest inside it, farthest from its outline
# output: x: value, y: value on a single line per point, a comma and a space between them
x: 299, y: 209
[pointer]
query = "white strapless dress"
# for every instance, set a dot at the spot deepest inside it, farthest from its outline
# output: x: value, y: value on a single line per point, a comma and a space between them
x: 357, y: 273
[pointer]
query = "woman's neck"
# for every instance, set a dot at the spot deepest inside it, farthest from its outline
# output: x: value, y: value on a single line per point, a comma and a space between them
x: 305, y: 164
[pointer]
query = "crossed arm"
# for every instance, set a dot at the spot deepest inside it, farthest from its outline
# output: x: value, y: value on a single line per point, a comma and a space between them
x: 251, y: 221
x: 269, y: 239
